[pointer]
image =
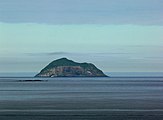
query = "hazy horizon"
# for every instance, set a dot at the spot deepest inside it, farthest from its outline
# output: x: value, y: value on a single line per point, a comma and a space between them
x: 115, y: 35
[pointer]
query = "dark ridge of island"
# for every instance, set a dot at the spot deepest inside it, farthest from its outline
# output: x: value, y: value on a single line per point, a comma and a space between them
x: 67, y: 68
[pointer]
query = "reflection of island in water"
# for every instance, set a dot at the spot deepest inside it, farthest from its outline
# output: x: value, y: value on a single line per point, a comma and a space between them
x: 68, y: 68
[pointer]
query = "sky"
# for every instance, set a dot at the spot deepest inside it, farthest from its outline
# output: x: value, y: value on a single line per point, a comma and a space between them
x: 115, y: 35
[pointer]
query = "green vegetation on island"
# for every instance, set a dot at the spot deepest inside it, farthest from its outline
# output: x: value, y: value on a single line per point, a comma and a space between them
x: 67, y: 68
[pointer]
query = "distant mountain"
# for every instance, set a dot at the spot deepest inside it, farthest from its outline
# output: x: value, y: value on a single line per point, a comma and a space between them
x: 68, y: 68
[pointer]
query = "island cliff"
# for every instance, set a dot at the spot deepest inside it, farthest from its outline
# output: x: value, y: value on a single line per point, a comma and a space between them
x: 68, y: 68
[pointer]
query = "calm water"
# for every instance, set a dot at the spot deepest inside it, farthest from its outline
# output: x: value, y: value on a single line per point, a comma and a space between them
x: 115, y: 98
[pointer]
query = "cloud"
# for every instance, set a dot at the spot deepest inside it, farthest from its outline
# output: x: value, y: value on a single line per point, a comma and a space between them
x: 57, y: 53
x: 75, y: 54
x: 47, y: 53
x: 144, y: 12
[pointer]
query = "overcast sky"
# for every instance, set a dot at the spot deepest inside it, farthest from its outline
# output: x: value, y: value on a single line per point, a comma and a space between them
x: 115, y: 35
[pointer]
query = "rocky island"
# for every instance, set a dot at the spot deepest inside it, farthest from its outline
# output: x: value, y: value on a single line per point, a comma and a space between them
x: 67, y: 68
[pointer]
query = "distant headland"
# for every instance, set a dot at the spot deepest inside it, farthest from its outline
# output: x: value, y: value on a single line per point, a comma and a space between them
x: 67, y: 68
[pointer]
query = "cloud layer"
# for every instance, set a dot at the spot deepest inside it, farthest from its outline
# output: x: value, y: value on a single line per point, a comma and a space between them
x: 142, y: 12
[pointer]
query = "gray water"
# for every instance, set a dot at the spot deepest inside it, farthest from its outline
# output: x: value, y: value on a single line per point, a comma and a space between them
x: 114, y: 98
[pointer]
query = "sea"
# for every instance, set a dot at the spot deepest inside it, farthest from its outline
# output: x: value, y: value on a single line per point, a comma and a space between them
x: 121, y: 96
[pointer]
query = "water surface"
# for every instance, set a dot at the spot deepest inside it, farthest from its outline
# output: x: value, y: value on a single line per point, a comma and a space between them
x: 114, y: 98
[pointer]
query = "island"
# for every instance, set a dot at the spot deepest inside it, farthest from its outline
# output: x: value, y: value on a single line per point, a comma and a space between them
x: 32, y: 80
x: 67, y: 68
